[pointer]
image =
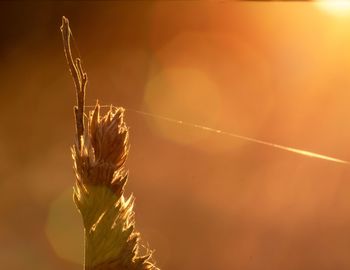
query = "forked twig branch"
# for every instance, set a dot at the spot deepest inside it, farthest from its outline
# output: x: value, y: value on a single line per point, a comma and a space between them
x: 79, y: 77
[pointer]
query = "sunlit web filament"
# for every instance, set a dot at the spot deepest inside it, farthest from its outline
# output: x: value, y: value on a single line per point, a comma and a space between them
x: 237, y: 136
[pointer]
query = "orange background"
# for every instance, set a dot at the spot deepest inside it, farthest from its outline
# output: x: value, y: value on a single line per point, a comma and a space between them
x: 274, y: 71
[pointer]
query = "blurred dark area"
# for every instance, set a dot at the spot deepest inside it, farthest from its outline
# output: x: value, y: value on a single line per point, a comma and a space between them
x: 277, y: 72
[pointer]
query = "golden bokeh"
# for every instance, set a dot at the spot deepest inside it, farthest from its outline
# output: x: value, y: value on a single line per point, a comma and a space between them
x: 64, y: 229
x: 182, y: 93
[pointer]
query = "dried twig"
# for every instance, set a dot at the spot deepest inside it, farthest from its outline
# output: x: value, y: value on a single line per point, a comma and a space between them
x: 80, y: 80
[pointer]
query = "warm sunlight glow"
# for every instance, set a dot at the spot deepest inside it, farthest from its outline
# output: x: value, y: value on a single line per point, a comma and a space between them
x: 335, y: 7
